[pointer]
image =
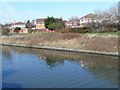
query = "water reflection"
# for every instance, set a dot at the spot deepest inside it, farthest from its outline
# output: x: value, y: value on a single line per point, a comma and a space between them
x: 6, y: 53
x: 99, y: 67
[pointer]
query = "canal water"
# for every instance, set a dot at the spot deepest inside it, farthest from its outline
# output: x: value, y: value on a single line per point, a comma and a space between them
x: 36, y: 68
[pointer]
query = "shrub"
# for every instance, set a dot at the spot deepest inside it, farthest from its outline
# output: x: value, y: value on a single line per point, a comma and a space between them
x: 5, y: 32
x: 63, y: 30
x: 18, y: 28
x: 54, y: 23
x: 80, y: 30
x: 32, y: 31
x: 51, y: 26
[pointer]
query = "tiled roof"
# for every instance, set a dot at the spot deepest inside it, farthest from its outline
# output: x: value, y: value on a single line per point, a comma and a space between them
x: 19, y: 23
x: 89, y: 16
x: 40, y: 20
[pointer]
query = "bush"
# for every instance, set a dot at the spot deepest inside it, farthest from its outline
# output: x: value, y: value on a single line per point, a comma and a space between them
x: 63, y: 30
x: 54, y: 23
x: 18, y: 28
x: 32, y: 31
x: 80, y: 30
x: 106, y: 27
x: 5, y: 32
x: 29, y: 31
x: 51, y: 26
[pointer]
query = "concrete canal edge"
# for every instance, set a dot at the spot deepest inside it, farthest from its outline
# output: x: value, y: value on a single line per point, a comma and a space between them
x: 65, y: 49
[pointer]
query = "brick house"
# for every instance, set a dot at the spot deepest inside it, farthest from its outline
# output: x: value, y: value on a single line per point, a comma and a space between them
x: 72, y: 23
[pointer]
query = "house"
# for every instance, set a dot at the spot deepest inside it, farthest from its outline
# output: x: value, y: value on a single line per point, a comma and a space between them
x: 30, y: 25
x: 40, y: 24
x: 21, y: 25
x: 87, y: 19
x: 72, y: 23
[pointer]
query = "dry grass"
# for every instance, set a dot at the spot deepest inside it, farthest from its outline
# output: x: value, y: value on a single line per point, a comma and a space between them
x: 67, y: 40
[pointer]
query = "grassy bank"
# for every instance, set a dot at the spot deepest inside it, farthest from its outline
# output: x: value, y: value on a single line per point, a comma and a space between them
x: 97, y: 42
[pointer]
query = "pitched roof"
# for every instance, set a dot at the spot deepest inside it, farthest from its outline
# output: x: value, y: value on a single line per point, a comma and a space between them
x: 40, y: 20
x: 89, y: 16
x: 19, y: 23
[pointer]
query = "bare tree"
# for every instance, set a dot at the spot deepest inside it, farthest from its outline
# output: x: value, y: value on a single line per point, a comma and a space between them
x: 1, y: 28
x: 108, y: 19
x: 74, y: 18
x: 29, y: 25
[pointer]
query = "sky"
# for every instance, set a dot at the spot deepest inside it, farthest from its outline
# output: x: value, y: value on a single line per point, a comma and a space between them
x: 23, y: 11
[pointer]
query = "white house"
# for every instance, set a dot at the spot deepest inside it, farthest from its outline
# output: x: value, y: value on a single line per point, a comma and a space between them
x: 21, y: 25
x: 87, y: 19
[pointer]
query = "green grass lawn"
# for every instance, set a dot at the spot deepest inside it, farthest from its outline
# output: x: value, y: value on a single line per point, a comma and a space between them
x: 105, y: 34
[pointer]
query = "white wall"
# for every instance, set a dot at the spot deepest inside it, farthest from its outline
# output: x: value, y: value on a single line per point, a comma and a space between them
x: 21, y: 26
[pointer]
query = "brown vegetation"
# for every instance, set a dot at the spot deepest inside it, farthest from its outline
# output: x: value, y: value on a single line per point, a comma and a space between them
x: 94, y: 42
